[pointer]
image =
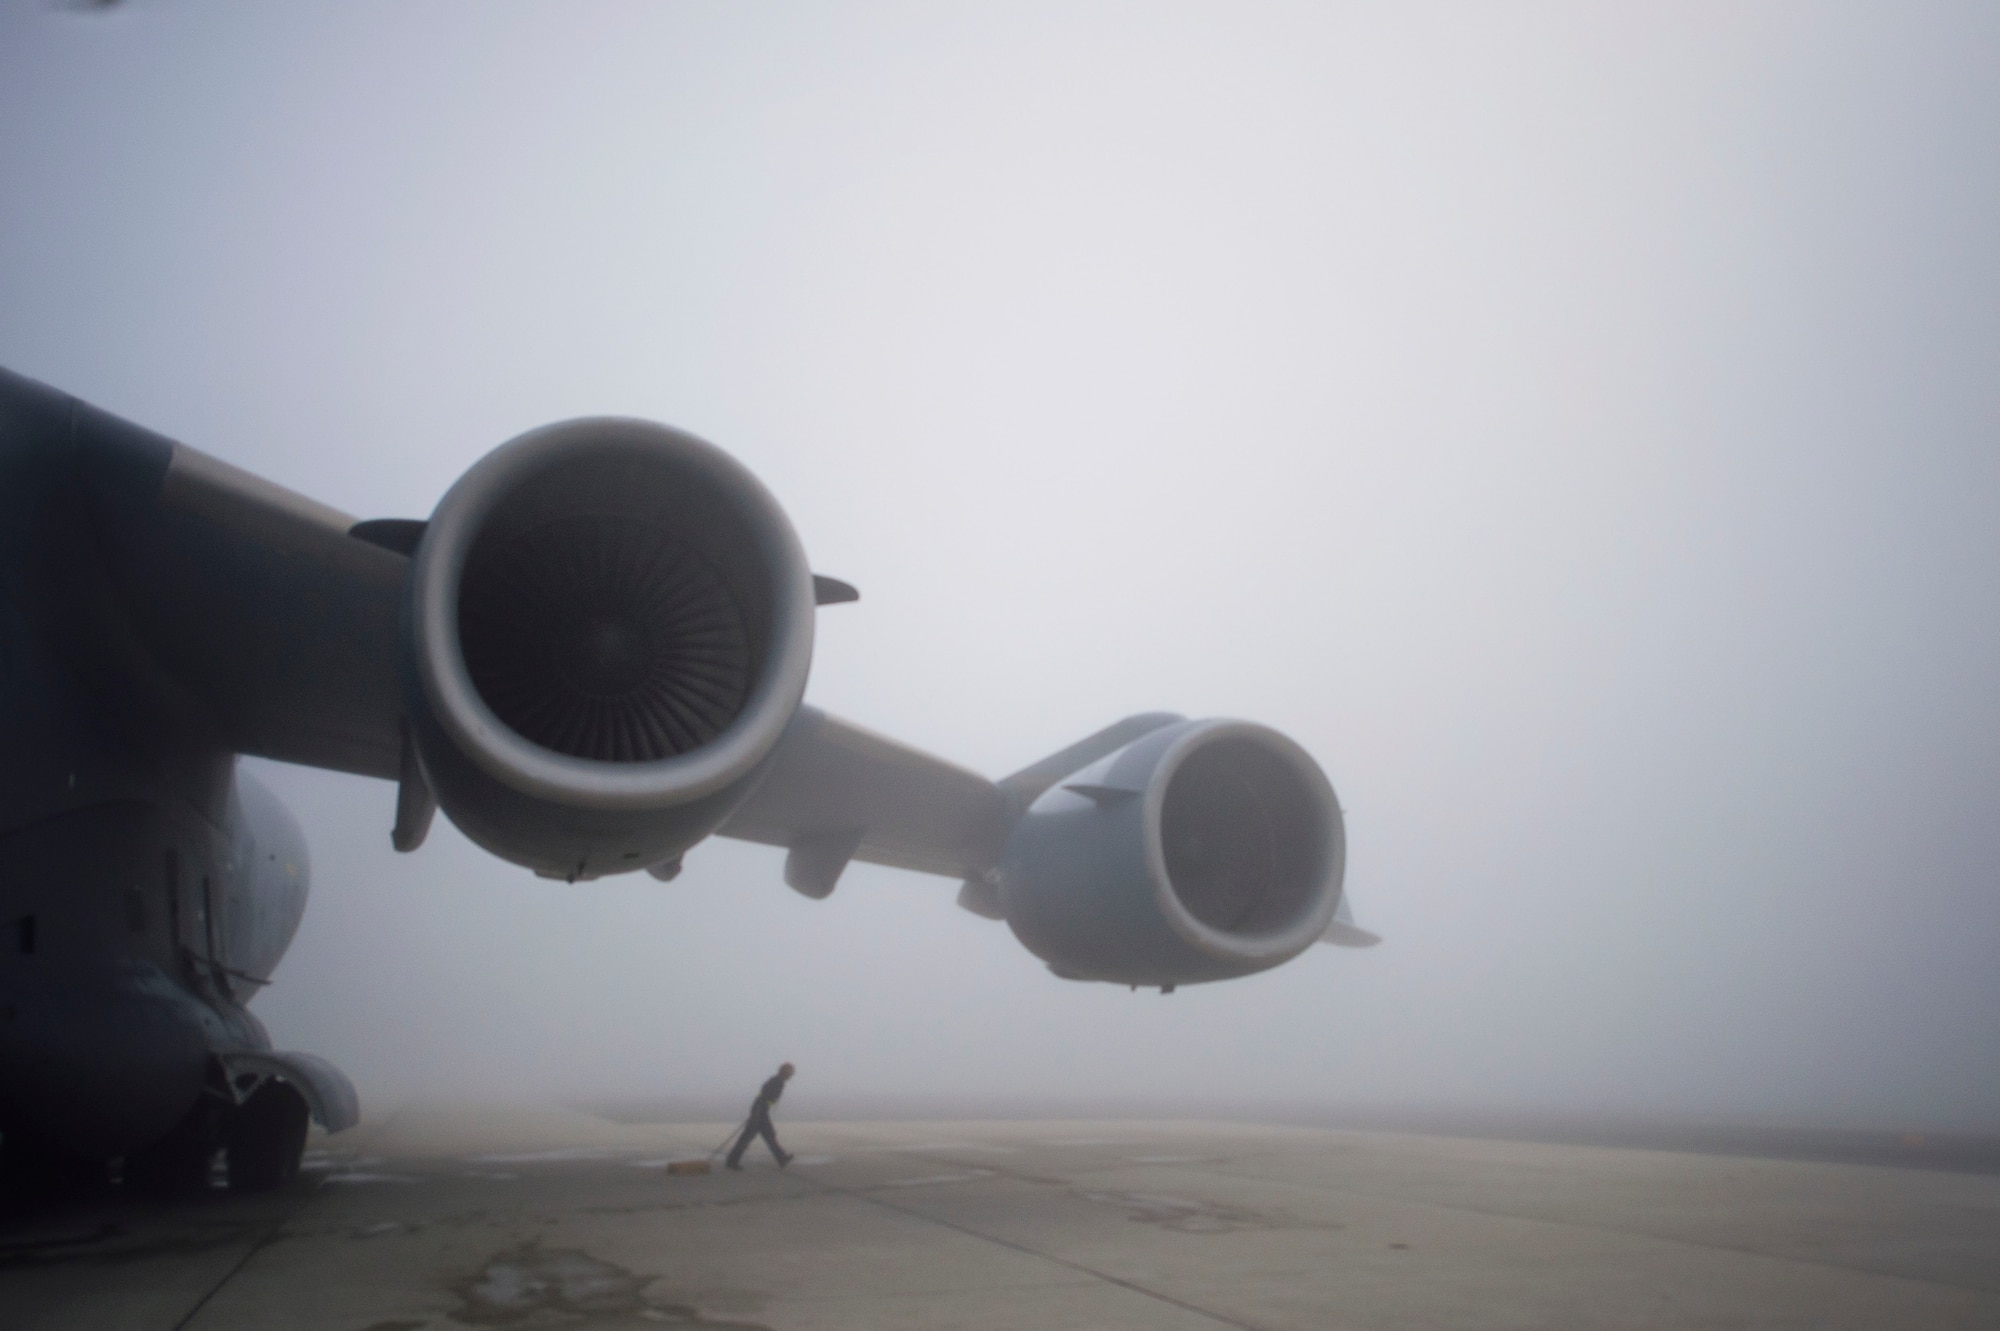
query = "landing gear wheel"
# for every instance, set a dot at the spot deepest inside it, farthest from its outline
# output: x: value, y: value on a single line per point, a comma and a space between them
x: 179, y: 1165
x: 267, y: 1138
x: 34, y: 1170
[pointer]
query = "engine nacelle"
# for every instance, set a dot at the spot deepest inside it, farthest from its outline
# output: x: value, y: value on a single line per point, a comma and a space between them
x: 609, y: 625
x: 1205, y: 850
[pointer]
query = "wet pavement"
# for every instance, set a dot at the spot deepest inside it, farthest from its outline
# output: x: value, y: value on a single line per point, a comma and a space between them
x: 454, y: 1217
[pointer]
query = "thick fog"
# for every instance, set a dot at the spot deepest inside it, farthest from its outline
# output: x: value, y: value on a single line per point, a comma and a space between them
x: 1575, y: 424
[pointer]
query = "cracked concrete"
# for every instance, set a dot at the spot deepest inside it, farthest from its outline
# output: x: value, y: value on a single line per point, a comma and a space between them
x: 975, y: 1225
x: 533, y: 1286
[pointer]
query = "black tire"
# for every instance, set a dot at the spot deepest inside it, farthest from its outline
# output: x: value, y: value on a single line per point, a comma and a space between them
x: 33, y: 1170
x: 267, y: 1138
x: 180, y: 1164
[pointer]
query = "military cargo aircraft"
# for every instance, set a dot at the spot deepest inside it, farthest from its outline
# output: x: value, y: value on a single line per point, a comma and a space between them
x: 591, y: 656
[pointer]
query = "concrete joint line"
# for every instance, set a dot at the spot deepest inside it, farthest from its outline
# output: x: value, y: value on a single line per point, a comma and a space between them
x: 1109, y: 1279
x: 263, y: 1241
x: 1696, y: 1244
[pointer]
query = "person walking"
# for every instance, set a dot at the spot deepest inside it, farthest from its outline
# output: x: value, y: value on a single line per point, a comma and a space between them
x: 759, y: 1122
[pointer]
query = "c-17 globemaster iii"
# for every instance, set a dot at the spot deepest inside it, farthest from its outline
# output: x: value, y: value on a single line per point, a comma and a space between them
x: 591, y: 656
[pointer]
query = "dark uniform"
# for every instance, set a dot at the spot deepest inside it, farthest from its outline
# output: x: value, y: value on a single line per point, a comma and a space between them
x: 759, y: 1124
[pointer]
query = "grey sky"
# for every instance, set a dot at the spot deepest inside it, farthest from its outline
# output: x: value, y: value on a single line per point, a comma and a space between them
x: 1575, y: 424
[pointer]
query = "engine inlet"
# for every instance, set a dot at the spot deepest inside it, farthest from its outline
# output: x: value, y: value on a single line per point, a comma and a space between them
x: 1244, y: 838
x: 604, y: 638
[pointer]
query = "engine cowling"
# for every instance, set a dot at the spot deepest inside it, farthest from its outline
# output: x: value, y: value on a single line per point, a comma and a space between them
x: 1205, y: 850
x: 609, y: 624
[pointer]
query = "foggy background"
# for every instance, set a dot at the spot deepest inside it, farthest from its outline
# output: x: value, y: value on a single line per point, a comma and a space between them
x: 1575, y: 424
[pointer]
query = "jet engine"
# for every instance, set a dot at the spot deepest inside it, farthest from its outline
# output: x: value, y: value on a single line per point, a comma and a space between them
x: 608, y: 625
x: 1204, y: 850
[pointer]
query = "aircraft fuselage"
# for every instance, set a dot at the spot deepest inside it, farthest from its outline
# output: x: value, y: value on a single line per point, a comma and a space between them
x: 146, y: 888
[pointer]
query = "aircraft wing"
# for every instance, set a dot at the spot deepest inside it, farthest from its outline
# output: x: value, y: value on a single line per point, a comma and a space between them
x: 837, y: 792
x: 249, y: 604
x: 592, y: 656
x: 243, y: 610
x: 275, y: 626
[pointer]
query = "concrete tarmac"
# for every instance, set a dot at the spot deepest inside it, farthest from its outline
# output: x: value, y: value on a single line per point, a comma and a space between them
x: 453, y: 1217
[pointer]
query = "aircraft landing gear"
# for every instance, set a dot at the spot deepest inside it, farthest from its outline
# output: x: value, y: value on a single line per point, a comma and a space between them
x: 178, y: 1165
x: 33, y: 1170
x: 267, y: 1138
x: 264, y: 1139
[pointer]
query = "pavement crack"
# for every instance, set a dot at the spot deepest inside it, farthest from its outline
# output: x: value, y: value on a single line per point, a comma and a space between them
x: 1220, y: 1319
x: 530, y: 1284
x: 263, y: 1241
x: 1600, y: 1227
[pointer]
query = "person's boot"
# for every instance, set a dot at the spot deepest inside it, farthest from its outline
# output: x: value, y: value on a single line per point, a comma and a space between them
x: 732, y: 1163
x: 784, y: 1158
